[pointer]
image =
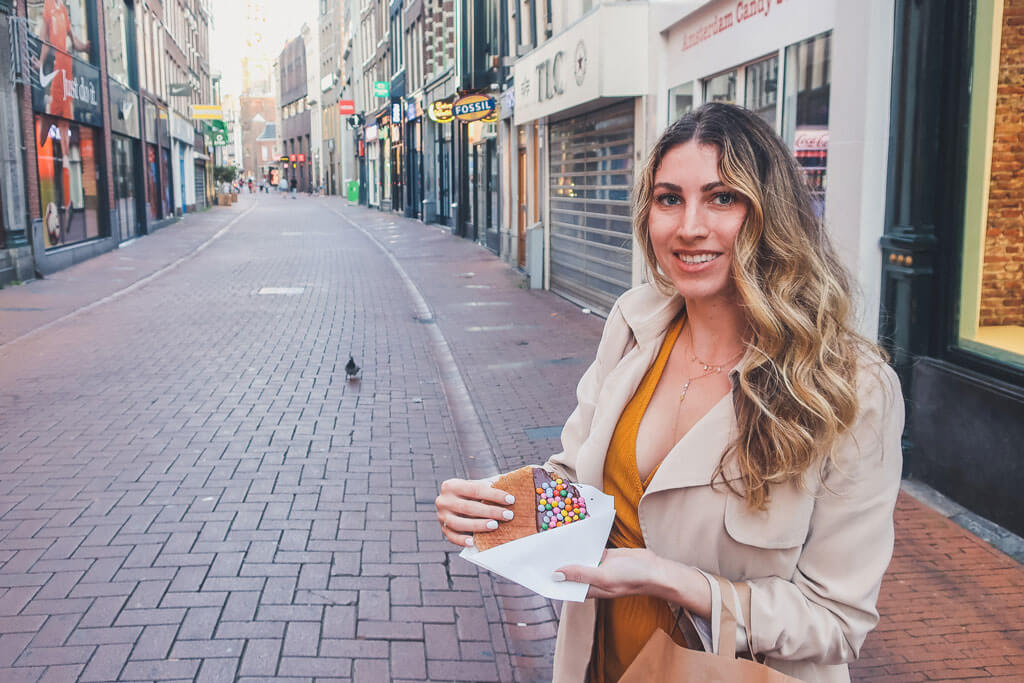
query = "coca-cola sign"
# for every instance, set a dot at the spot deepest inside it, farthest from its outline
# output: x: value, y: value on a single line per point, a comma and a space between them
x: 810, y: 139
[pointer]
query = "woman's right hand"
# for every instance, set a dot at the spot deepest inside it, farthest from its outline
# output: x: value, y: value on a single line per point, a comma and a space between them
x: 469, y: 506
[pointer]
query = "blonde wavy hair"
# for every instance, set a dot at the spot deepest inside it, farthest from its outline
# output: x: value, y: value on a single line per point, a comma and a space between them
x: 797, y: 390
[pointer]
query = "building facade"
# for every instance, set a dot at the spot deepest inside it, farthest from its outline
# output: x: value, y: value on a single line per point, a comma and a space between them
x: 295, y: 115
x: 953, y: 270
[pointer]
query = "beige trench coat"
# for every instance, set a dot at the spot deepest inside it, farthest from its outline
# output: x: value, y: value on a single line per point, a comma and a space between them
x: 814, y: 560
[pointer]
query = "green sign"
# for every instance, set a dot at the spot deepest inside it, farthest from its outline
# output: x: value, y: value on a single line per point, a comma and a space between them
x: 381, y: 89
x: 217, y: 130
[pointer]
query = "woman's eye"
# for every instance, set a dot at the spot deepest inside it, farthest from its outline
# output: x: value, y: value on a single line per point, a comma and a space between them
x: 724, y: 199
x: 669, y: 200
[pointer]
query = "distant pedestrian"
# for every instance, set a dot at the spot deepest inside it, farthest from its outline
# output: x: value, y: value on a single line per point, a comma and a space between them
x: 749, y: 436
x: 283, y: 187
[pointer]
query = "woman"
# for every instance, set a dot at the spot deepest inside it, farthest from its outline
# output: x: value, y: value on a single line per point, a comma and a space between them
x: 744, y: 429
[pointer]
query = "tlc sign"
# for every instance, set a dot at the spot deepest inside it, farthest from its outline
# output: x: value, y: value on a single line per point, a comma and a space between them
x: 346, y: 107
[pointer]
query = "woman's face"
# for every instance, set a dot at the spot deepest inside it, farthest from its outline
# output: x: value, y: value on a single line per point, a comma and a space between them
x: 694, y: 221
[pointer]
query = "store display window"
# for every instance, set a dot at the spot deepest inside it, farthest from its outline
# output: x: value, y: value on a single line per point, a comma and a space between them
x: 761, y: 86
x: 120, y: 30
x: 63, y: 24
x: 991, y: 306
x: 68, y: 181
x: 721, y: 88
x: 805, y: 109
x: 680, y: 101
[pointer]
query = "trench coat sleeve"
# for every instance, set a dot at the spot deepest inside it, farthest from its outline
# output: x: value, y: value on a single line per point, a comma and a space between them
x: 614, y: 340
x: 824, y: 613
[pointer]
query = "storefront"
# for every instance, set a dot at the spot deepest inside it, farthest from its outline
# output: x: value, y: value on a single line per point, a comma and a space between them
x: 953, y: 285
x: 437, y: 151
x: 157, y: 162
x: 483, y: 195
x: 183, y: 165
x: 576, y: 103
x: 67, y: 138
x: 396, y: 157
x: 373, y: 171
x: 818, y: 71
x: 125, y: 143
x: 591, y: 176
x: 414, y: 159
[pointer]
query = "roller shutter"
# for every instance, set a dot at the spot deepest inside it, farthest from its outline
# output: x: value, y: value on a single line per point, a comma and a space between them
x: 591, y: 177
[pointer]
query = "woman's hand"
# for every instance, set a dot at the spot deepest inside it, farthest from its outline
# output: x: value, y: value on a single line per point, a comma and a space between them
x: 466, y: 507
x: 622, y: 572
x: 639, y: 571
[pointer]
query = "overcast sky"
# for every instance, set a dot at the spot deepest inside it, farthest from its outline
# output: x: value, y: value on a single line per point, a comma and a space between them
x: 227, y: 42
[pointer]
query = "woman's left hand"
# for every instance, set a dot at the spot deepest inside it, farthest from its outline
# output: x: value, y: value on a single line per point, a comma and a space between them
x: 622, y: 572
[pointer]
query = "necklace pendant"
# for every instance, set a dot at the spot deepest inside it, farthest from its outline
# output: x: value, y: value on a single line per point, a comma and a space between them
x: 682, y: 394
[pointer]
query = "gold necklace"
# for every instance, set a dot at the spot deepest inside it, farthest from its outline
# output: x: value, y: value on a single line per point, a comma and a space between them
x: 707, y: 369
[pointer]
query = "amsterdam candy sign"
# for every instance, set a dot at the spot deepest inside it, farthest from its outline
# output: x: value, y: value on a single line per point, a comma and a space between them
x: 473, y: 107
x: 440, y: 111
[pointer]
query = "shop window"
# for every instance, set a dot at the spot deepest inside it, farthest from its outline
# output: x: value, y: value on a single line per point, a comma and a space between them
x: 761, y: 85
x: 721, y: 88
x: 120, y: 26
x: 68, y: 196
x: 65, y: 25
x: 680, y: 101
x: 805, y: 109
x: 991, y: 310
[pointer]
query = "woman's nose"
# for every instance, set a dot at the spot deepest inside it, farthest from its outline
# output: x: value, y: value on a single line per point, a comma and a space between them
x: 692, y: 224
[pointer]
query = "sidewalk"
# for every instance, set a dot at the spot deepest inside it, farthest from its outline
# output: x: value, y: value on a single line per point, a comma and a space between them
x: 30, y: 306
x: 952, y: 606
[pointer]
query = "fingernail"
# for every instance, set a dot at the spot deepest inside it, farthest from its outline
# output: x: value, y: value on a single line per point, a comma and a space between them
x: 508, y: 514
x: 510, y: 499
x: 557, y: 576
x: 469, y: 542
x: 492, y: 524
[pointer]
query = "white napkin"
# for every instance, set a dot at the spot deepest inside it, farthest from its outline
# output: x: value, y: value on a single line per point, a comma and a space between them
x: 531, y: 560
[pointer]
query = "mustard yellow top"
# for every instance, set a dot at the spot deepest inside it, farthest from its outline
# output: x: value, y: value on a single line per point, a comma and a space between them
x: 625, y: 624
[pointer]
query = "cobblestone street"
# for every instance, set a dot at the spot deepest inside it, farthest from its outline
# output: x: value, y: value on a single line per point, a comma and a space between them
x: 191, y: 490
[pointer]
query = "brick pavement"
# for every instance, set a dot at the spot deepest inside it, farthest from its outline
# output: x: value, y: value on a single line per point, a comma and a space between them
x: 191, y: 490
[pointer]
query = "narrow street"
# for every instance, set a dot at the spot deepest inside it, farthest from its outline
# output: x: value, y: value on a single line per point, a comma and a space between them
x: 190, y: 488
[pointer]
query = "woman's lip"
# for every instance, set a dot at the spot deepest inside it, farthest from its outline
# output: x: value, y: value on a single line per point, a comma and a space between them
x: 694, y: 267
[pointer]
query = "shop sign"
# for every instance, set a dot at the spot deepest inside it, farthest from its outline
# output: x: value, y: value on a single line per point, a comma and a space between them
x: 179, y: 89
x: 396, y: 111
x: 381, y: 89
x: 440, y: 111
x: 371, y: 133
x: 473, y: 107
x: 580, y: 65
x: 810, y: 139
x: 301, y: 157
x: 63, y: 85
x: 124, y: 109
x: 284, y: 159
x: 207, y: 111
x: 218, y: 132
x: 346, y: 107
x: 292, y: 157
x: 411, y: 111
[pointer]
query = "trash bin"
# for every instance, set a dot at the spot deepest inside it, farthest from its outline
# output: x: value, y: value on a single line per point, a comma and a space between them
x: 353, y: 191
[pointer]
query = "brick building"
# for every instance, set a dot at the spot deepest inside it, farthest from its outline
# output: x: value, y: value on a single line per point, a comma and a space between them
x: 256, y: 113
x: 295, y: 114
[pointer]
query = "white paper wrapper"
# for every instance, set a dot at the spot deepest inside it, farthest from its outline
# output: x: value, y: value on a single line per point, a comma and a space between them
x: 530, y: 561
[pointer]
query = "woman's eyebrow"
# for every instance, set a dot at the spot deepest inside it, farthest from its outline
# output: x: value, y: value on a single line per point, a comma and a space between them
x: 671, y: 187
x: 707, y: 187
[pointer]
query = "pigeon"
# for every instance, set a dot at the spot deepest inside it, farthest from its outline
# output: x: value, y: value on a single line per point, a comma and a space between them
x: 351, y: 369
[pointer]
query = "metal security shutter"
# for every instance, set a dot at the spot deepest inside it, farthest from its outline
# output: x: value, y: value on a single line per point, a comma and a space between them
x: 591, y: 231
x: 200, y: 186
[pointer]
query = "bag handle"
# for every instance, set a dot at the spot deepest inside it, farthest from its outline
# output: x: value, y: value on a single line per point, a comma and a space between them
x: 727, y: 620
